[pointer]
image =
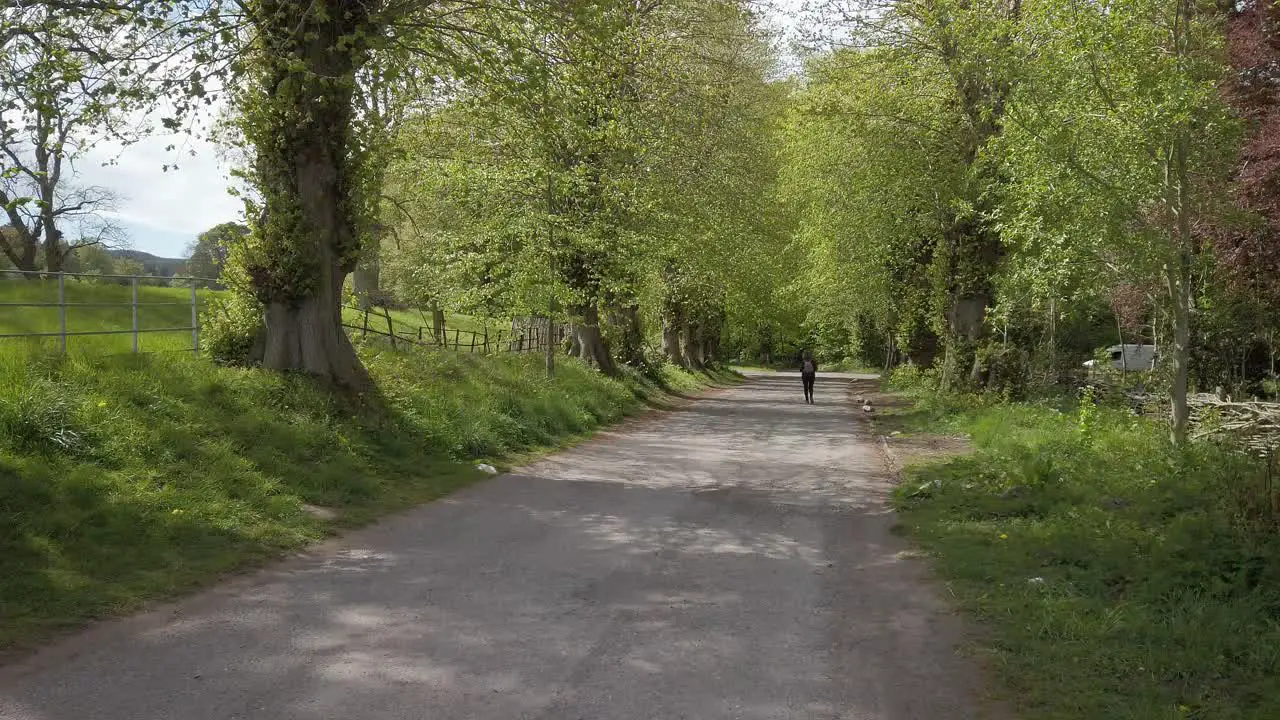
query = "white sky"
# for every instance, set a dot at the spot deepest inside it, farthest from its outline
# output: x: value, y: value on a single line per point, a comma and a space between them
x: 162, y: 212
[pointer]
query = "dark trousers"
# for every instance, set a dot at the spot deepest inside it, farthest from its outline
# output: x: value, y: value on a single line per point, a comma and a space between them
x: 807, y: 379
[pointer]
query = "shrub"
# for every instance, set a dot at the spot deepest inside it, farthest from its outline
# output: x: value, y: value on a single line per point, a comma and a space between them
x: 231, y: 330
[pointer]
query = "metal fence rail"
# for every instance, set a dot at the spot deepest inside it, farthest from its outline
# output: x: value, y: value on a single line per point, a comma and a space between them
x: 517, y: 340
x: 135, y: 330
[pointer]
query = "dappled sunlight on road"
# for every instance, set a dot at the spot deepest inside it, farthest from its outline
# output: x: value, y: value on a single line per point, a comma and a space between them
x: 731, y: 559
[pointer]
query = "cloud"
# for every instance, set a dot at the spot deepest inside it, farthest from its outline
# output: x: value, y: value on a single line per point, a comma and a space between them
x: 186, y: 200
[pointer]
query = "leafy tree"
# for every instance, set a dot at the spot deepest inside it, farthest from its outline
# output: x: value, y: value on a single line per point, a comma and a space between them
x: 207, y: 256
x: 875, y: 172
x: 68, y: 78
x: 92, y: 260
x: 623, y: 175
x: 1249, y: 258
x: 73, y: 74
x: 1122, y: 136
x: 297, y: 105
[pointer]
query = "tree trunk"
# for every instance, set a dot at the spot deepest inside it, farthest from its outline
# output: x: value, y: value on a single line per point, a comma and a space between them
x: 300, y: 126
x: 19, y: 245
x: 575, y: 346
x: 1178, y: 278
x: 627, y: 320
x: 310, y: 338
x: 437, y: 323
x: 550, y: 349
x: 708, y: 350
x: 671, y: 342
x: 691, y: 346
x: 591, y: 343
x: 54, y: 252
x: 671, y: 338
x: 709, y: 335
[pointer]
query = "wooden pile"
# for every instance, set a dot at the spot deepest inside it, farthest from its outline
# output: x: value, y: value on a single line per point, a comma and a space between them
x: 1252, y: 425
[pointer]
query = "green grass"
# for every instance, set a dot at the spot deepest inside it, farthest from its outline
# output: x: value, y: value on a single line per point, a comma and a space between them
x: 1118, y: 576
x: 159, y: 307
x: 128, y: 478
x: 408, y: 322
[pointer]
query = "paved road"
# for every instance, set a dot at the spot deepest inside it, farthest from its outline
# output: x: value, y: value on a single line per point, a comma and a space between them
x: 729, y: 560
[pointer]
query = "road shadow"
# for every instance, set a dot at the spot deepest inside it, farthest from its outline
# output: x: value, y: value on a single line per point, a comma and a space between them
x: 718, y: 561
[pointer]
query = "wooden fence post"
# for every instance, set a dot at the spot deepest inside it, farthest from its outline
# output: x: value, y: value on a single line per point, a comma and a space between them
x: 391, y: 329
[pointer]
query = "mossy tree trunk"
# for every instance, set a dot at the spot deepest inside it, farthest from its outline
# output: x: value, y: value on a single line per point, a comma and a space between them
x: 298, y: 117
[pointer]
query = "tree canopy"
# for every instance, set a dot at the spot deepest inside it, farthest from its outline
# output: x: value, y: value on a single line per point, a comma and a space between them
x: 989, y: 189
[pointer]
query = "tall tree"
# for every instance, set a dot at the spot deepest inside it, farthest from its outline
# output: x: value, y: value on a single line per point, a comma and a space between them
x: 1120, y: 131
x: 69, y: 76
x: 298, y: 115
x: 207, y: 256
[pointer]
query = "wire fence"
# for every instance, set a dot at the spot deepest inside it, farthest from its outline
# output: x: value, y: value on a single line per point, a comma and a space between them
x: 516, y: 340
x: 162, y: 314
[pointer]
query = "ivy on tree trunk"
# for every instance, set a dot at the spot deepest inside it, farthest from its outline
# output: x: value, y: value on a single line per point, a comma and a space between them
x: 299, y: 120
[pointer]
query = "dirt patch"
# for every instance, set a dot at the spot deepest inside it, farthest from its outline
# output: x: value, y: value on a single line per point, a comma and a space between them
x: 320, y: 513
x: 892, y: 419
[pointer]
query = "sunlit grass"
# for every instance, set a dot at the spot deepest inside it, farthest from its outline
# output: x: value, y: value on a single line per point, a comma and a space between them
x: 1120, y: 577
x: 109, y: 308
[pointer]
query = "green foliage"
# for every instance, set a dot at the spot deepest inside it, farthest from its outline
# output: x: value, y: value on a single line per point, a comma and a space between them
x: 913, y: 379
x: 871, y: 171
x: 70, y: 75
x: 127, y: 478
x: 1120, y: 576
x: 976, y: 182
x: 1088, y: 414
x: 93, y: 260
x: 208, y: 254
x: 231, y: 328
x: 630, y: 169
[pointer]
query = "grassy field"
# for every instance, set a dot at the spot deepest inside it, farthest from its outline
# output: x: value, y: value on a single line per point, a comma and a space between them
x: 408, y: 322
x: 1118, y: 576
x: 95, y: 306
x: 128, y: 478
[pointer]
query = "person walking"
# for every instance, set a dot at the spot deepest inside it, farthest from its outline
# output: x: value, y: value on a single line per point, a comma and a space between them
x: 808, y: 373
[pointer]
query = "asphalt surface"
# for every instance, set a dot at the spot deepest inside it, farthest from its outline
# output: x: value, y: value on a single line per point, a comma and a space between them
x: 732, y: 559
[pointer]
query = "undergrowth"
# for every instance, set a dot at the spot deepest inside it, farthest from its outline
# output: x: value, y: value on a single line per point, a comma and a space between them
x: 1119, y: 576
x: 128, y: 478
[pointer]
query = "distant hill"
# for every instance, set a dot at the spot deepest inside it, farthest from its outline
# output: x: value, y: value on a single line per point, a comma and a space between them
x: 153, y: 264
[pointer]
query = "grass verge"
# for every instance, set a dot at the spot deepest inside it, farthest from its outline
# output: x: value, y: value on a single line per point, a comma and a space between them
x: 125, y: 479
x: 1120, y: 577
